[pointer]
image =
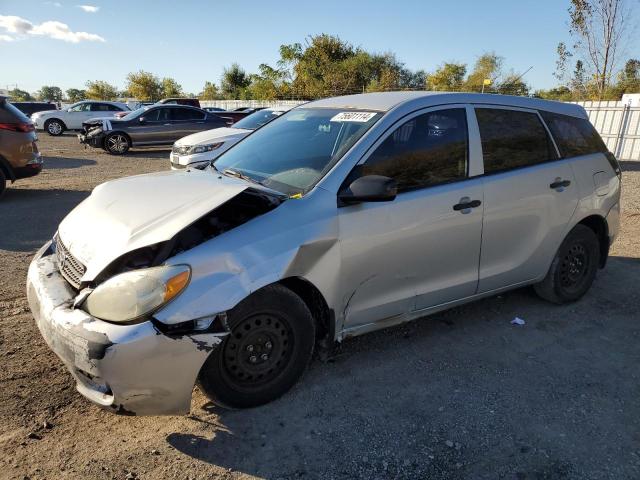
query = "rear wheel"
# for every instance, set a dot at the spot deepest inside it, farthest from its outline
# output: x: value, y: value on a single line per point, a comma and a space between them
x: 54, y: 127
x: 117, y: 143
x: 270, y: 344
x: 573, y: 269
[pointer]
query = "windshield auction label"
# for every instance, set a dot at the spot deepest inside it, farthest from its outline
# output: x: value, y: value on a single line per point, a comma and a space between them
x: 361, y: 117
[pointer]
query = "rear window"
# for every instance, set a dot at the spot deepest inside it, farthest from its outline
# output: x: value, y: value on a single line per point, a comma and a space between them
x: 512, y: 139
x: 574, y: 136
x: 9, y: 113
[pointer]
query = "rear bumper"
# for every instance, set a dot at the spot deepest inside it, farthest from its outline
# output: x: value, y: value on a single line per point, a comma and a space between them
x: 128, y: 369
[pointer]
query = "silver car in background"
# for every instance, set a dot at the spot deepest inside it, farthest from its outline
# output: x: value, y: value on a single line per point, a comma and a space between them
x: 340, y: 217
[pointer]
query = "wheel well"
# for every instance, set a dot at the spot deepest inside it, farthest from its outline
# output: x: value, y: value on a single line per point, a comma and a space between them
x: 313, y: 298
x: 599, y: 226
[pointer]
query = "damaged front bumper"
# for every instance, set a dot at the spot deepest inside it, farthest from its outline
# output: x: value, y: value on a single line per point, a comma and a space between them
x: 128, y: 369
x: 93, y: 139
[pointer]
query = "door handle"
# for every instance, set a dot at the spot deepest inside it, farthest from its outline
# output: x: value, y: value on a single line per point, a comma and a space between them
x: 559, y: 184
x: 466, y: 204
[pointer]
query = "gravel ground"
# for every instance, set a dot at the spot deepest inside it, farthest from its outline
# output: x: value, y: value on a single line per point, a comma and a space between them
x: 462, y: 394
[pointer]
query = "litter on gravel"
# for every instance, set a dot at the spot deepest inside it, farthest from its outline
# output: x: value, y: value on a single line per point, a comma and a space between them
x: 517, y: 321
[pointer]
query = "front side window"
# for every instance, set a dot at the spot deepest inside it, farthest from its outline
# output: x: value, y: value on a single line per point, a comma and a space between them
x: 429, y: 149
x: 574, y: 136
x: 512, y: 139
x: 82, y: 107
x: 293, y: 152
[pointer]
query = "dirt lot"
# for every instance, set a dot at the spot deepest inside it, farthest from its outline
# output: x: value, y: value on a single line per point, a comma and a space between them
x: 463, y: 394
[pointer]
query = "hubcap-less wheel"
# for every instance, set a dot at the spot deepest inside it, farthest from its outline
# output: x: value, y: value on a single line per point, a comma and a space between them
x: 257, y: 351
x: 54, y: 128
x: 574, y: 266
x: 117, y: 143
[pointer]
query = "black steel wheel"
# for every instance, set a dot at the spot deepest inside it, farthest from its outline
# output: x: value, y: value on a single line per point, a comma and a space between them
x: 270, y: 344
x: 574, y: 267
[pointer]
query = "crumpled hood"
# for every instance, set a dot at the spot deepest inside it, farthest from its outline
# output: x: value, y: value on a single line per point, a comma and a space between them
x: 213, y: 136
x: 134, y: 212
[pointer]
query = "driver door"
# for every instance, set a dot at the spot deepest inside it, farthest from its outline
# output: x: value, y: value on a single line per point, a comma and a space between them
x: 419, y: 250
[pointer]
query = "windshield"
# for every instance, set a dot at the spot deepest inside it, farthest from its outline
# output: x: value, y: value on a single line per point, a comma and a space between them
x: 258, y: 119
x: 135, y: 113
x: 293, y: 152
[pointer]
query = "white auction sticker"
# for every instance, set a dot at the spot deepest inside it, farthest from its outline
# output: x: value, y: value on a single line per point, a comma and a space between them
x: 353, y: 117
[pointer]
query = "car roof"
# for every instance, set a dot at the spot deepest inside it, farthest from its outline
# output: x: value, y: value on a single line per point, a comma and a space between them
x: 385, y: 101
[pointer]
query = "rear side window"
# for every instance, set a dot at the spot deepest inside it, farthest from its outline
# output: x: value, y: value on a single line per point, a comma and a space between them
x: 574, y: 136
x: 186, y: 114
x: 512, y: 139
x: 101, y: 107
x: 427, y: 150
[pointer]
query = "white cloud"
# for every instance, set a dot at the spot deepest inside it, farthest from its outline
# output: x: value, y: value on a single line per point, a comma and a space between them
x: 89, y: 8
x: 6, y: 38
x: 51, y: 29
x: 55, y: 4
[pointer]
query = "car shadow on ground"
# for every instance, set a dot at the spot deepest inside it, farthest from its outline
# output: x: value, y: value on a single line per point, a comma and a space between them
x: 629, y: 165
x: 62, y: 163
x: 22, y: 208
x: 463, y: 393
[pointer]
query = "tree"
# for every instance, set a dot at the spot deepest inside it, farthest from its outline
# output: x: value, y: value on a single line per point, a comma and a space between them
x: 209, y: 92
x: 144, y: 86
x: 75, y: 95
x: 234, y: 82
x: 100, y: 90
x: 488, y: 66
x: 561, y: 62
x: 599, y: 27
x: 50, y: 93
x: 18, y: 95
x: 448, y: 77
x: 513, y: 85
x: 629, y: 78
x: 171, y: 88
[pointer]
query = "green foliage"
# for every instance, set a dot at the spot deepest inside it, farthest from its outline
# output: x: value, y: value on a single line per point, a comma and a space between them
x: 449, y: 77
x: 75, y: 95
x: 50, y: 93
x: 18, y: 95
x: 234, y: 82
x: 488, y: 66
x: 100, y: 90
x: 209, y: 92
x: 171, y: 88
x: 144, y: 86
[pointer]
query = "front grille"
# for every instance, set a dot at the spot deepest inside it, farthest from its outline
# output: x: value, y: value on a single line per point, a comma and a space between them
x: 180, y: 149
x: 70, y: 268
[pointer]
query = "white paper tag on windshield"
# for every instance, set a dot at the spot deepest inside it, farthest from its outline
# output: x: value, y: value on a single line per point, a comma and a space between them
x: 353, y: 117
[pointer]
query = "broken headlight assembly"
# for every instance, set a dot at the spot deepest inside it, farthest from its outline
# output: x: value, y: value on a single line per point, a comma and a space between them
x: 132, y: 295
x: 204, y: 148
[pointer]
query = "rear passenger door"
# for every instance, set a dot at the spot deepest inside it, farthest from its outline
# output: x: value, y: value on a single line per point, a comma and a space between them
x: 529, y: 197
x: 187, y: 121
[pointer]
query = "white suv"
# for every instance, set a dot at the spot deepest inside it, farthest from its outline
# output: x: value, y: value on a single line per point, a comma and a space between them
x: 55, y: 122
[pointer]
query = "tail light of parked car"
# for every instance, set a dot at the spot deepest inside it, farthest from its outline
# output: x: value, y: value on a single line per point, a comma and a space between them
x: 18, y: 127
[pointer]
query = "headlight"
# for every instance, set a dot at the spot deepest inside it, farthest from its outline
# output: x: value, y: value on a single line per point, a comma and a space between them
x: 204, y: 148
x: 131, y: 295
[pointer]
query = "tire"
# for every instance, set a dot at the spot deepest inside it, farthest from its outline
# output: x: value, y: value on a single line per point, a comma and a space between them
x: 117, y: 143
x: 55, y: 127
x: 270, y: 345
x: 3, y: 183
x: 573, y: 268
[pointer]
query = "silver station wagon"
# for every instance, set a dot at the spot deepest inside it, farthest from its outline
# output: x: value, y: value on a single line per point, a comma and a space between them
x: 340, y: 217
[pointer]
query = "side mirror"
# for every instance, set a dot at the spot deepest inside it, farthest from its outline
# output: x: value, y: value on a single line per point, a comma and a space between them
x: 142, y: 120
x: 370, y: 188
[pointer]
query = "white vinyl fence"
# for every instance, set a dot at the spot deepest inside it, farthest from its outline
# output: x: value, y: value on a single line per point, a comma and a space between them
x: 233, y: 104
x: 618, y: 124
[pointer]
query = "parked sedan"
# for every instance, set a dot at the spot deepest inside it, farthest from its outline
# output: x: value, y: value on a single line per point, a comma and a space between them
x: 156, y: 125
x: 57, y: 121
x: 199, y: 149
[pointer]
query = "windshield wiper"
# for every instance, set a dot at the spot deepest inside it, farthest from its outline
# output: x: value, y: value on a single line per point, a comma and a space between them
x: 238, y: 174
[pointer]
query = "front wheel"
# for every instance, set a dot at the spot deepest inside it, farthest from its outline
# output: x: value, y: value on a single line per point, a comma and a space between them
x: 270, y: 345
x: 573, y: 268
x: 54, y: 127
x: 117, y: 143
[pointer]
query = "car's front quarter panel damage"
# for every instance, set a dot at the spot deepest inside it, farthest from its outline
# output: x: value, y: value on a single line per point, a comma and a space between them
x: 297, y: 239
x: 129, y: 369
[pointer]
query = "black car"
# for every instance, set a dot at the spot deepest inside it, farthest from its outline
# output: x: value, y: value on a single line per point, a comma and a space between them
x: 29, y: 108
x: 155, y: 125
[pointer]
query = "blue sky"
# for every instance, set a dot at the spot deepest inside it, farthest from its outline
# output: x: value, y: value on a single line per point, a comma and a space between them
x: 192, y: 41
